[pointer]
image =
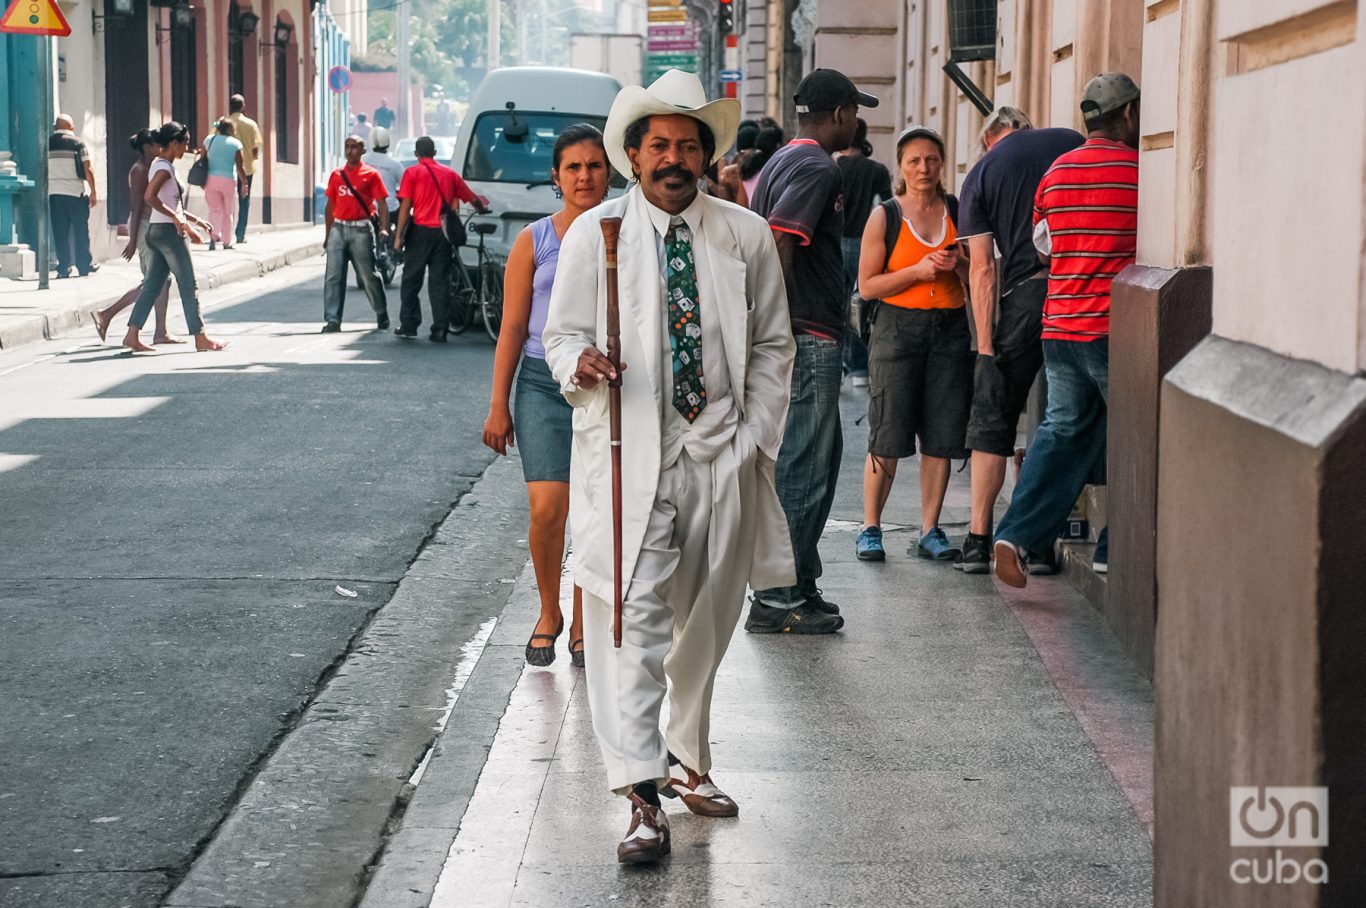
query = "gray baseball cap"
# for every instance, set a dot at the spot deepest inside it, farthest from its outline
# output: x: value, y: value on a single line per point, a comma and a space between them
x: 1105, y: 93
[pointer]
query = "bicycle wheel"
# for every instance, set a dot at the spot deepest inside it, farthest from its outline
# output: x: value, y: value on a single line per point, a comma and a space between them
x: 463, y: 299
x: 491, y: 296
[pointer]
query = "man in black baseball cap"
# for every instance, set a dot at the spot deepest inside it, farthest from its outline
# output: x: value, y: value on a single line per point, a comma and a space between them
x: 801, y: 194
x: 829, y: 89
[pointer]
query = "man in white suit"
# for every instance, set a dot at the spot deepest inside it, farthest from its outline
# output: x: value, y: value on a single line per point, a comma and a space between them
x: 707, y: 354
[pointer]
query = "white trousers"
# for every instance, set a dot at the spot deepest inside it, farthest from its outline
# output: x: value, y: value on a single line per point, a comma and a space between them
x: 678, y: 615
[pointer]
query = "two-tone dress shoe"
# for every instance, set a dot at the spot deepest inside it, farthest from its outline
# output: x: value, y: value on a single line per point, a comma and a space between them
x: 699, y: 794
x: 647, y: 839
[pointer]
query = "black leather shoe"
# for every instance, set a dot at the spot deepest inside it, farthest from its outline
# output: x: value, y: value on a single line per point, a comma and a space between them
x: 438, y: 336
x: 331, y: 328
x: 407, y: 333
x: 382, y: 323
x: 804, y: 619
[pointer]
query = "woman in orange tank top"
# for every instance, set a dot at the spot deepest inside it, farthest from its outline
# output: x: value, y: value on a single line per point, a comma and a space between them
x: 920, y: 358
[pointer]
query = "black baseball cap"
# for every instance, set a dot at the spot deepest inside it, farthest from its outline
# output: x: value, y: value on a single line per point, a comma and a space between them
x: 828, y: 89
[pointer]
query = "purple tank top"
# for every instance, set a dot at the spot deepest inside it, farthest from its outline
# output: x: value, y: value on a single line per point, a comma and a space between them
x: 547, y: 252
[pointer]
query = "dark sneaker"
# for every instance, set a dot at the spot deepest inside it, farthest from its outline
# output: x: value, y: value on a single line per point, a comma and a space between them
x: 868, y: 545
x: 331, y: 328
x: 382, y: 323
x: 438, y: 337
x: 817, y: 601
x: 804, y: 619
x: 408, y: 333
x: 976, y: 558
x: 1043, y: 563
x: 1010, y: 567
x: 935, y: 544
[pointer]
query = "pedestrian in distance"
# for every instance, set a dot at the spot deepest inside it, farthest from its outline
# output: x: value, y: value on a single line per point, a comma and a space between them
x: 145, y: 144
x: 998, y: 211
x: 363, y: 128
x: 355, y: 218
x: 384, y: 115
x: 742, y: 175
x: 246, y: 131
x: 727, y: 183
x: 428, y: 190
x: 920, y: 351
x: 706, y: 360
x: 169, y: 254
x: 801, y: 194
x: 227, y: 181
x: 70, y: 196
x: 866, y: 182
x: 1087, y: 203
x: 541, y: 425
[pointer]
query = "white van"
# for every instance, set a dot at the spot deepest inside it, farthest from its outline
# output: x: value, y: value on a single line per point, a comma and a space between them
x: 505, y: 142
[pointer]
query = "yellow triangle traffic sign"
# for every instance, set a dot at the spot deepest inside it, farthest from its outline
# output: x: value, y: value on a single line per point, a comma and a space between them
x: 34, y: 17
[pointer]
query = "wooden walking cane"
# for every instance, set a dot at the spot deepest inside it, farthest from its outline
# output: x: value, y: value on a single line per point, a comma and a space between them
x: 611, y: 227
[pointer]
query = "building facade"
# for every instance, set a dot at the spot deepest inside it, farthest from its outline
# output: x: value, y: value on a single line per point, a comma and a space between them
x: 1237, y: 441
x: 119, y: 71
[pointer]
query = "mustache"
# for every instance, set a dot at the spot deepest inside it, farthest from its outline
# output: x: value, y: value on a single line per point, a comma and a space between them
x: 677, y: 171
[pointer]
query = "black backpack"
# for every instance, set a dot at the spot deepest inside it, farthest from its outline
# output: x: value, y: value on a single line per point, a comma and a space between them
x: 891, y: 218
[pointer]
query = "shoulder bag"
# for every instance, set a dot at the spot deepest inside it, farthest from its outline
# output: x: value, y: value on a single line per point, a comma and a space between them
x: 199, y: 170
x: 452, y: 227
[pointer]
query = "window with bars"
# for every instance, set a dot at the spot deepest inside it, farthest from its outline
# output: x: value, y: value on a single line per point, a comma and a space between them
x: 185, y: 76
x: 283, y: 127
x: 237, y: 58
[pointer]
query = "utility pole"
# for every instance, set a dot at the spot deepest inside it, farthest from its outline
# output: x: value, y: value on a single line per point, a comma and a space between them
x: 495, y: 53
x: 402, y: 12
x: 545, y: 33
x: 45, y: 119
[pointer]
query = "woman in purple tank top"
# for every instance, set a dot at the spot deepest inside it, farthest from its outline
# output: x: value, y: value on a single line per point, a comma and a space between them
x: 541, y: 422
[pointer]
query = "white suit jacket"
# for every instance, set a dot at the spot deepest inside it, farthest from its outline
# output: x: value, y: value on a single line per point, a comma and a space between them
x: 745, y: 280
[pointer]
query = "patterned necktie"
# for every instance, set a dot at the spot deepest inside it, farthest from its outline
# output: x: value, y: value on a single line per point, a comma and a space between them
x: 685, y: 325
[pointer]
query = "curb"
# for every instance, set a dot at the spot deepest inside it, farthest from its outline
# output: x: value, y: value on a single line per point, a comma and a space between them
x: 54, y: 324
x: 319, y: 809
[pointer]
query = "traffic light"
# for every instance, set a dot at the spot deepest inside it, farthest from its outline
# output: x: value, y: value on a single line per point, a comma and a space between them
x: 725, y: 20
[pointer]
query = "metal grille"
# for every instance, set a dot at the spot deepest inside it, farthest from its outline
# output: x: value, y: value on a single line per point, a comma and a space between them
x: 236, y: 50
x: 972, y: 30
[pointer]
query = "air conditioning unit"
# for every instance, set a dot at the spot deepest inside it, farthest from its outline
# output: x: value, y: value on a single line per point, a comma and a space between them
x: 972, y: 30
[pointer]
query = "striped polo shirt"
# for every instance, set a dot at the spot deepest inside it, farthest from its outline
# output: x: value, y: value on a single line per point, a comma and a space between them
x: 1090, y: 200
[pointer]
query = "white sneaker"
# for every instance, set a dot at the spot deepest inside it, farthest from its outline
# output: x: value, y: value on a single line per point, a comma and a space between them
x: 860, y: 381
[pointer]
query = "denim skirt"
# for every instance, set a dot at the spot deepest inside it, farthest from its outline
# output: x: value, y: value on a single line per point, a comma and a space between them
x: 544, y: 423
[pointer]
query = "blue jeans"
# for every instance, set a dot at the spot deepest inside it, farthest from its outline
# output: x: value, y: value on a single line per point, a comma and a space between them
x: 167, y: 255
x: 1064, y: 451
x: 356, y: 244
x: 855, y: 350
x: 809, y: 462
x: 244, y: 211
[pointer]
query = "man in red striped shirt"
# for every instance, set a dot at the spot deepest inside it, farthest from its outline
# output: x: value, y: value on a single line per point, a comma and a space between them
x: 1087, y: 208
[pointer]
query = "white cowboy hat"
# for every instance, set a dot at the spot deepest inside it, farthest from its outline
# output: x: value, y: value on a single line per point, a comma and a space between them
x: 675, y: 92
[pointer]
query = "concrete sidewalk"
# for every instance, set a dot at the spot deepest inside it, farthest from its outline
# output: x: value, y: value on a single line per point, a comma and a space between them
x: 957, y: 744
x: 28, y: 314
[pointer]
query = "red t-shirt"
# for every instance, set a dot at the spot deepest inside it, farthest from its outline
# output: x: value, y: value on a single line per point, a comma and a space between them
x: 366, y: 179
x: 1090, y: 198
x: 427, y: 183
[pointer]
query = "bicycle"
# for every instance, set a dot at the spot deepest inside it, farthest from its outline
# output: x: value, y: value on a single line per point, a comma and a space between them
x: 487, y: 297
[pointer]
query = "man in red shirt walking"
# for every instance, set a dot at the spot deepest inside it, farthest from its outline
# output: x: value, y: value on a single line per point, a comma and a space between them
x: 427, y: 190
x: 1088, y: 203
x: 355, y: 194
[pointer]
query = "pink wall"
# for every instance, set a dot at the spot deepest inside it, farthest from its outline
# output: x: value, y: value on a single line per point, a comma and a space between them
x: 368, y: 88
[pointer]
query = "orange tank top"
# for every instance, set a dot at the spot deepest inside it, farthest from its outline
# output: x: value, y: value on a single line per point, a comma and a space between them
x: 946, y: 290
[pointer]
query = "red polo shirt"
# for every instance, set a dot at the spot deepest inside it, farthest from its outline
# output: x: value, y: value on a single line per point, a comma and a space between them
x: 427, y: 183
x: 366, y: 179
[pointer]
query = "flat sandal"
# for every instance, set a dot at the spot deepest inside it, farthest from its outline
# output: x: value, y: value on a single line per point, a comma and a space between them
x: 541, y: 656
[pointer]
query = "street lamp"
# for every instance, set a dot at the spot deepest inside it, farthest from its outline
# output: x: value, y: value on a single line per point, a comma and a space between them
x: 246, y: 24
x: 182, y: 17
x: 115, y: 10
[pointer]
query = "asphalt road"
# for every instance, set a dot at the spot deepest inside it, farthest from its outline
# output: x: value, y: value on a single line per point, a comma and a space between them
x: 172, y: 530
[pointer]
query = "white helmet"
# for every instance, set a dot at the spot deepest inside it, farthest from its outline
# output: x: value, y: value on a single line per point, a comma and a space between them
x: 379, y: 137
